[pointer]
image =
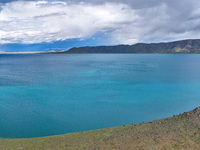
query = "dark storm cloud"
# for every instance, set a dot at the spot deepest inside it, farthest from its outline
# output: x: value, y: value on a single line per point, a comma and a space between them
x: 177, y: 14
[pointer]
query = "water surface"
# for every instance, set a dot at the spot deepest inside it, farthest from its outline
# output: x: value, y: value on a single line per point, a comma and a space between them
x: 51, y: 94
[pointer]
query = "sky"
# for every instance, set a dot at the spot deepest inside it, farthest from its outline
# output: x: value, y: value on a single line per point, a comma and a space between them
x: 43, y: 25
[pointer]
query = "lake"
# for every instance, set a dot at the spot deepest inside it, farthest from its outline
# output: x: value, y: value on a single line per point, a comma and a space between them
x: 50, y: 94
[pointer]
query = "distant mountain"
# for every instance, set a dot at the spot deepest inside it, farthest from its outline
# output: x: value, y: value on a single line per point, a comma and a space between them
x: 184, y: 46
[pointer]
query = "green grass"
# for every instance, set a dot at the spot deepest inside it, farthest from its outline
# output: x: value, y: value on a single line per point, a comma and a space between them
x: 170, y: 133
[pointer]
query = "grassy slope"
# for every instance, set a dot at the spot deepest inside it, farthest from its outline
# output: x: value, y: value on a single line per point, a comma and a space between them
x: 171, y: 133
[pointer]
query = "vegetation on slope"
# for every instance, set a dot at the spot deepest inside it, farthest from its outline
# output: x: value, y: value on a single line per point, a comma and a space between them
x: 178, y: 132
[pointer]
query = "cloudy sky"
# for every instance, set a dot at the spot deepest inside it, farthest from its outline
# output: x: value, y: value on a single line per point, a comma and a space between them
x: 35, y: 25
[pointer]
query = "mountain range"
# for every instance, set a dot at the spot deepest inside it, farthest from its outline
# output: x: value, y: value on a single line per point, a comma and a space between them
x: 183, y: 46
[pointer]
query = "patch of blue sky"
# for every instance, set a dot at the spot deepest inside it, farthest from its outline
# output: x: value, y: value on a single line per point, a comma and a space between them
x: 98, y: 39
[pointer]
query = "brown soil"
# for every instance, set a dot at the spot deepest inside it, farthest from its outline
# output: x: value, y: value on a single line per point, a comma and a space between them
x: 194, y: 117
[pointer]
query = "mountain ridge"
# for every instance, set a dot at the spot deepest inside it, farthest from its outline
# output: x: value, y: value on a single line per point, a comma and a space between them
x: 183, y: 46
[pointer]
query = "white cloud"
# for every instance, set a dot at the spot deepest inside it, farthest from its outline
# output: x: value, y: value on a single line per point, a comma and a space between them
x: 42, y: 21
x: 124, y: 23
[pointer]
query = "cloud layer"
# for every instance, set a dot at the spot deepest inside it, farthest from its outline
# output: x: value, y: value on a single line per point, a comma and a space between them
x: 124, y: 22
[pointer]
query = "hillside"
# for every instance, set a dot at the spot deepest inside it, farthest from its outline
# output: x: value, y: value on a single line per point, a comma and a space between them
x: 178, y: 132
x: 184, y: 46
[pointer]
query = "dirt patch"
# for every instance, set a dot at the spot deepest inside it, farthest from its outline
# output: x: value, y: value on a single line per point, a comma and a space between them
x: 194, y: 116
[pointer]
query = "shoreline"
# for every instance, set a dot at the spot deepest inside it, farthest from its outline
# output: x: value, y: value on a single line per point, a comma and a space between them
x: 60, y: 52
x: 178, y: 132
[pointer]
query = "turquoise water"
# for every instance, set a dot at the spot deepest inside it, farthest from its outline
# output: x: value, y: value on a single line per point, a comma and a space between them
x: 43, y: 95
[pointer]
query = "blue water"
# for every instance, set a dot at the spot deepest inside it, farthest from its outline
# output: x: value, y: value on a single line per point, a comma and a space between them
x: 43, y: 95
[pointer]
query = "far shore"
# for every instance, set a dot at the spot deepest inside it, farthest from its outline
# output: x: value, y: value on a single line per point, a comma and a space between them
x: 34, y: 52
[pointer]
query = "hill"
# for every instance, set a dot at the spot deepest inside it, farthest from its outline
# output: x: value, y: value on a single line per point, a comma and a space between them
x: 184, y: 46
x: 178, y: 132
